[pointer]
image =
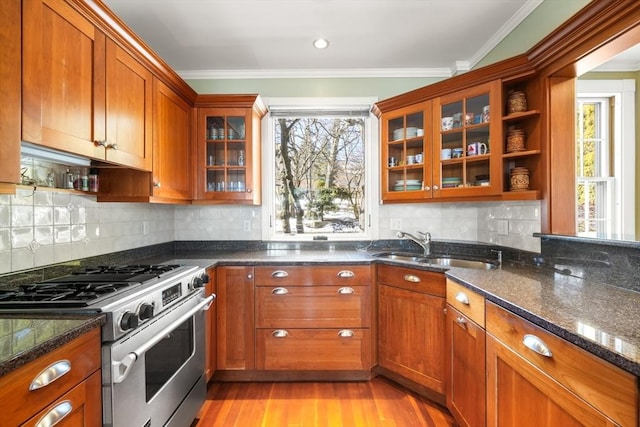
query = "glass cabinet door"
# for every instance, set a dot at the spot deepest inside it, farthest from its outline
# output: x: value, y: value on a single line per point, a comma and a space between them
x: 225, y: 154
x: 463, y: 145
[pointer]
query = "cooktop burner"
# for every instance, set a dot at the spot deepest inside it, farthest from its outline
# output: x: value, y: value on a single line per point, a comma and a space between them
x: 119, y: 273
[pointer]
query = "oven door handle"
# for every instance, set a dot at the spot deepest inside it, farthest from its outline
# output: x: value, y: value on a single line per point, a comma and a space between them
x: 120, y: 369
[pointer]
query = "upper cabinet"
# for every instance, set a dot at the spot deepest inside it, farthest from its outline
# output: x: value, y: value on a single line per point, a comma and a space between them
x: 228, y: 148
x: 82, y: 93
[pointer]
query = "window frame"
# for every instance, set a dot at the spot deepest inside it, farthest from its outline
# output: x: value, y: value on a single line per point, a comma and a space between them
x: 372, y: 172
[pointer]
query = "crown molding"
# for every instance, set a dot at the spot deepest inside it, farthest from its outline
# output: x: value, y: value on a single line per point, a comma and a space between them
x: 314, y: 74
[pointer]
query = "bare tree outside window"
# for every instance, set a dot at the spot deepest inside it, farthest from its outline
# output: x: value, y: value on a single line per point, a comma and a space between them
x: 319, y: 181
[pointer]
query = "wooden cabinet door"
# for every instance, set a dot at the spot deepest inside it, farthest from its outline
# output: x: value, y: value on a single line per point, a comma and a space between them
x: 520, y: 394
x: 63, y: 64
x: 172, y: 164
x: 210, y: 329
x: 84, y: 402
x: 128, y: 109
x: 411, y: 341
x: 235, y: 317
x: 465, y: 370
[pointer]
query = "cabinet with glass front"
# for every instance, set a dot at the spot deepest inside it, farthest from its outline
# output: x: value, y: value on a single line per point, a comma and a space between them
x: 406, y: 153
x: 228, y: 156
x: 467, y: 143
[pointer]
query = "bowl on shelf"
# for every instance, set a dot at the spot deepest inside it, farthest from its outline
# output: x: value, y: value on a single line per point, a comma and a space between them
x: 451, y: 182
x: 411, y: 185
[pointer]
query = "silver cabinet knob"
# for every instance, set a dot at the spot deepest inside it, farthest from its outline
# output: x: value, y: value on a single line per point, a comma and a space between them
x: 346, y: 290
x: 411, y: 278
x: 460, y: 321
x: 427, y: 188
x: 462, y: 298
x: 435, y: 187
x: 113, y: 146
x: 156, y: 184
x: 100, y: 143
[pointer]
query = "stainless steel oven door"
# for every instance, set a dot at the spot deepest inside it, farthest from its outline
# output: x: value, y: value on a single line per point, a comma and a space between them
x: 154, y: 376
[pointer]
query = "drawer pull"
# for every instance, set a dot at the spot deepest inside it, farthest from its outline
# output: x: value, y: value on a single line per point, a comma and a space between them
x: 411, y: 278
x: 460, y: 321
x: 345, y: 333
x: 346, y: 290
x: 50, y: 374
x: 279, y: 333
x: 279, y: 274
x: 462, y: 298
x: 346, y: 273
x: 279, y: 291
x: 534, y: 343
x: 55, y: 415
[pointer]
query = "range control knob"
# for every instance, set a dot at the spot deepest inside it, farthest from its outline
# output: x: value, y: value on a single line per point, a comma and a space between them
x: 128, y: 321
x: 200, y: 280
x: 145, y: 311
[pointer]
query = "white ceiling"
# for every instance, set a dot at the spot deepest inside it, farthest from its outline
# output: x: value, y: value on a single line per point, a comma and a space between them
x: 262, y: 38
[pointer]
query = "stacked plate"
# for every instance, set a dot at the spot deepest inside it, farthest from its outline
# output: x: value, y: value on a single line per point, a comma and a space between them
x: 411, y: 185
x: 451, y: 182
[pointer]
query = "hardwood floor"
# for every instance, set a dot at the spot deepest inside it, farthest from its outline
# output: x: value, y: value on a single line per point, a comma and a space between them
x: 374, y: 403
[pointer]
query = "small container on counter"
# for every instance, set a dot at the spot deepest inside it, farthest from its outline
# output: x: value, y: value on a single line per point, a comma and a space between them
x: 94, y: 183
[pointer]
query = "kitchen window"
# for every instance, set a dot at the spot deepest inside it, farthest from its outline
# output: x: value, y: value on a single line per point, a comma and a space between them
x: 318, y: 175
x: 605, y: 153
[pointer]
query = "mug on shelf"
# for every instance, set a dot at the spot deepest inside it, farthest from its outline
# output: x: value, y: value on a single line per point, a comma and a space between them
x: 477, y: 148
x: 456, y: 153
x: 411, y: 160
x: 447, y: 123
x: 445, y: 153
x: 393, y: 162
x: 419, y: 158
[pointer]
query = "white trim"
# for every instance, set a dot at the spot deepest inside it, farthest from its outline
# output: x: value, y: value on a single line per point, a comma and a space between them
x: 317, y: 74
x: 371, y: 168
x: 625, y: 153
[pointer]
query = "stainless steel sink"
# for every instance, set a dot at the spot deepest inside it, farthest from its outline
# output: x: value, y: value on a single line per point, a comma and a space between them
x: 441, y: 261
x: 459, y: 262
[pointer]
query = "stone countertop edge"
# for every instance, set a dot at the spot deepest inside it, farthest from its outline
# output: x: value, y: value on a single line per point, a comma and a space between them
x: 20, y: 359
x: 556, y: 303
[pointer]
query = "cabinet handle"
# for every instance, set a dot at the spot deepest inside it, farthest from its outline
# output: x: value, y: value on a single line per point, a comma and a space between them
x: 50, y: 374
x: 346, y: 290
x: 411, y: 278
x: 535, y: 344
x: 248, y: 190
x: 462, y: 298
x: 427, y: 188
x: 346, y: 273
x: 156, y: 184
x: 279, y: 333
x: 279, y: 291
x: 435, y: 187
x: 279, y: 274
x: 460, y: 321
x: 249, y: 276
x: 113, y: 146
x: 100, y: 143
x: 55, y: 415
x: 346, y: 333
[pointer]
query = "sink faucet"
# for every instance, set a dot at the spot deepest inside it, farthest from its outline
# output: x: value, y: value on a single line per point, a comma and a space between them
x: 424, y: 240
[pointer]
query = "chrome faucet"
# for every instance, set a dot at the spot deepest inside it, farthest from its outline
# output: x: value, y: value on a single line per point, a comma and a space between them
x: 424, y: 240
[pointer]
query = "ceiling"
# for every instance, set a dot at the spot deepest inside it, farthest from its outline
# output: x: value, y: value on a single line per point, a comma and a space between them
x: 273, y: 38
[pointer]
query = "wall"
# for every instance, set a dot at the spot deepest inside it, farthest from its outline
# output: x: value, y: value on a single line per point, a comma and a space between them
x: 68, y: 227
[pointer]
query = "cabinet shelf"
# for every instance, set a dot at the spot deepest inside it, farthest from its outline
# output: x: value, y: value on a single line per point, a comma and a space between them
x: 525, y: 153
x: 521, y: 115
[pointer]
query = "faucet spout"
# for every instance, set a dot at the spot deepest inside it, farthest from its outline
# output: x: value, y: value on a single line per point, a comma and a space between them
x: 424, y: 240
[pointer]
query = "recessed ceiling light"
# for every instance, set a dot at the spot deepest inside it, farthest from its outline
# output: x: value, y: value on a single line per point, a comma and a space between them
x: 320, y: 43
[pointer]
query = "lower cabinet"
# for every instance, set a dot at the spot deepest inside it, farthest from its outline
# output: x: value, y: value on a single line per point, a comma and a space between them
x: 411, y: 324
x: 210, y: 329
x: 73, y: 399
x: 535, y: 378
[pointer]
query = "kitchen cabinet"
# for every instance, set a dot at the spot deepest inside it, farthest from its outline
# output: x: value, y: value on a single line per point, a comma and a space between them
x: 235, y: 318
x: 76, y: 394
x: 465, y: 349
x: 82, y: 93
x: 537, y: 378
x: 411, y: 324
x: 171, y: 178
x: 313, y: 318
x: 10, y: 81
x: 467, y: 143
x: 210, y: 328
x: 228, y: 156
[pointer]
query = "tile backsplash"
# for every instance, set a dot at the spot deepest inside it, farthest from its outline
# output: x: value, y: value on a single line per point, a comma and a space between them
x: 45, y: 227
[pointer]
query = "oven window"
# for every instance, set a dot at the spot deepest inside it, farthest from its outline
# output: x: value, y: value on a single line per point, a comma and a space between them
x: 164, y: 359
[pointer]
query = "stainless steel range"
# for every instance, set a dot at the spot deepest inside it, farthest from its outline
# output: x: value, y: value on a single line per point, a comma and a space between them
x: 153, y: 340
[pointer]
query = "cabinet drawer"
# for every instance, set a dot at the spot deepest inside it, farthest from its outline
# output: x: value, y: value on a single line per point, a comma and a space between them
x: 466, y: 302
x: 427, y: 282
x: 317, y: 307
x: 340, y: 275
x: 82, y: 356
x: 313, y: 349
x: 609, y: 389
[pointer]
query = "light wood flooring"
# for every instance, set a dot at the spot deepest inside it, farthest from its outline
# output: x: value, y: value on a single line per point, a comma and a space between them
x: 374, y: 403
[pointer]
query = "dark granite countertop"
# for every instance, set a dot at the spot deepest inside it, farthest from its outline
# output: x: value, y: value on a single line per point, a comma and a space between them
x: 596, y: 316
x: 25, y: 337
